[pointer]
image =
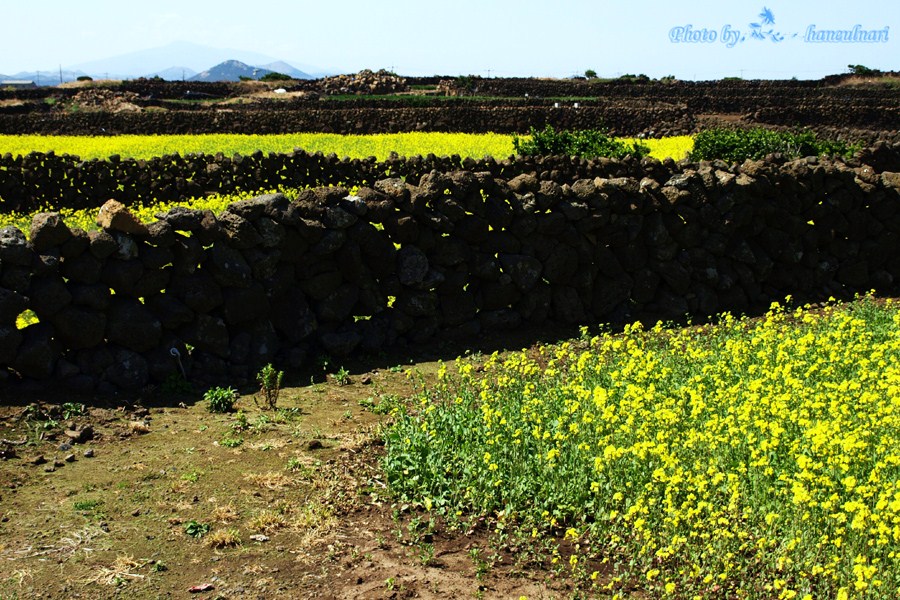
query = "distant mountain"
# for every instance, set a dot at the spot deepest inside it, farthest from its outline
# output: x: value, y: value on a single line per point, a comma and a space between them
x: 282, y: 67
x: 156, y: 60
x: 173, y: 74
x: 230, y: 70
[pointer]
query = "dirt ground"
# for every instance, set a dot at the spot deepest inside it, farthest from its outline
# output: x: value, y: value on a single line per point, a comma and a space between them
x: 153, y: 496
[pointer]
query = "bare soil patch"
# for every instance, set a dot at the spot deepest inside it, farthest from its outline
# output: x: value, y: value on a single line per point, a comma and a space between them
x: 161, y: 497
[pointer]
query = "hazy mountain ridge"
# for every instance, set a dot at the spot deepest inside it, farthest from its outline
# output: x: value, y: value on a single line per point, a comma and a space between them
x: 175, y: 61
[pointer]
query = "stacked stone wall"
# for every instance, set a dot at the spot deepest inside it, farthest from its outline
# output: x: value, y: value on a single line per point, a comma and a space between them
x: 456, y: 254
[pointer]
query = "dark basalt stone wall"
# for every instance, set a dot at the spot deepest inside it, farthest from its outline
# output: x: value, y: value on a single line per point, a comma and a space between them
x: 455, y: 253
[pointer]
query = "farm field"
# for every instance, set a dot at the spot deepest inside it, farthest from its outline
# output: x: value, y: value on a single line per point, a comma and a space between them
x: 353, y: 146
x: 750, y: 458
x: 754, y: 458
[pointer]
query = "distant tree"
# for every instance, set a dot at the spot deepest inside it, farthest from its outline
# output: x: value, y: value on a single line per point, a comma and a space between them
x: 862, y: 70
x: 590, y: 74
x: 245, y: 78
x: 468, y: 83
x: 84, y: 78
x: 632, y: 78
x: 274, y: 76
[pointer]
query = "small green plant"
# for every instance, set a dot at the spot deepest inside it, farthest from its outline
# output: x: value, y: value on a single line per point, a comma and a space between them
x: 482, y: 566
x: 288, y: 414
x: 270, y: 385
x: 195, y: 529
x: 389, y: 404
x: 86, y: 505
x: 425, y: 554
x: 261, y: 423
x: 72, y: 409
x: 342, y: 377
x: 231, y: 442
x: 175, y: 384
x: 240, y: 422
x: 220, y: 400
x: 191, y: 476
x: 159, y: 567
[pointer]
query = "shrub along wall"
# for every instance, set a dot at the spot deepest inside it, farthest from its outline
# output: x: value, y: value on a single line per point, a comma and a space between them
x: 458, y: 255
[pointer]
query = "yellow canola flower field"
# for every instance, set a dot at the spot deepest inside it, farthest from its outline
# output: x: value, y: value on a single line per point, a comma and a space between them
x: 745, y: 459
x: 353, y: 146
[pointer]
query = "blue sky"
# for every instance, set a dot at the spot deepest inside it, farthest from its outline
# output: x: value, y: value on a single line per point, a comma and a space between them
x: 485, y: 37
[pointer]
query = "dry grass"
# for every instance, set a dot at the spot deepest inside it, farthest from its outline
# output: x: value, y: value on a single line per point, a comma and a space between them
x: 114, y: 574
x: 138, y: 427
x: 20, y: 576
x: 269, y: 444
x: 224, y: 513
x: 224, y: 538
x: 271, y: 480
x: 267, y: 521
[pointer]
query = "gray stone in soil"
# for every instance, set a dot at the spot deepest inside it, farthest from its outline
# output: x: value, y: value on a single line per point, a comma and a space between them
x: 79, y: 435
